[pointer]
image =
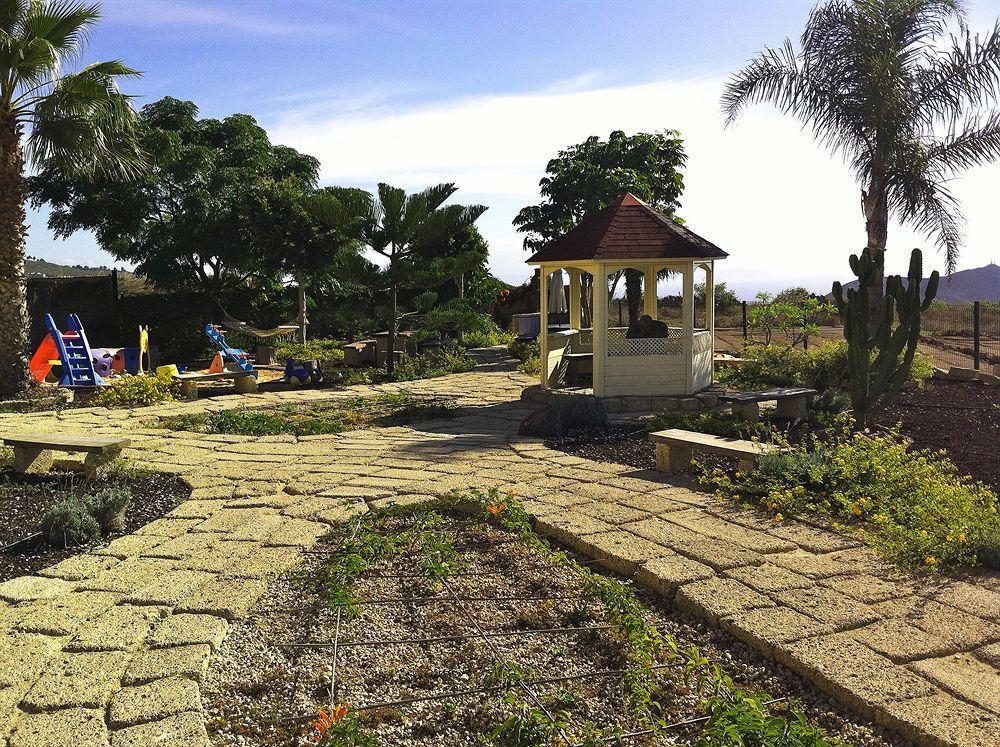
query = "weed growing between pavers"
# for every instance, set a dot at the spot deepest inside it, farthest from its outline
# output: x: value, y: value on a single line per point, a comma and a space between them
x: 540, y: 650
x: 317, y: 418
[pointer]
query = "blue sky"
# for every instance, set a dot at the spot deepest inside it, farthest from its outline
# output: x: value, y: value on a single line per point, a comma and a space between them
x: 484, y: 93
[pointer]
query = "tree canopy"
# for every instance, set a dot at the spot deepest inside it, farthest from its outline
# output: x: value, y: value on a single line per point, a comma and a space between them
x: 220, y: 206
x: 585, y: 177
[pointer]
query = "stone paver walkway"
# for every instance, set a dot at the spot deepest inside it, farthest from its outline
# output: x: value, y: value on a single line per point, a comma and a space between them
x: 109, y: 646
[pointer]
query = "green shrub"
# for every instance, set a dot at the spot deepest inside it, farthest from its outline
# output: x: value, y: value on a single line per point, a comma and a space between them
x: 912, y: 505
x: 431, y: 363
x: 134, y: 391
x: 821, y: 367
x: 67, y: 522
x: 523, y: 349
x: 488, y: 337
x: 526, y: 351
x: 108, y: 508
x: 319, y: 349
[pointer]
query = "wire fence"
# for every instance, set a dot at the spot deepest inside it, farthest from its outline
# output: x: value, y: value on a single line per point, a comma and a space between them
x: 963, y: 335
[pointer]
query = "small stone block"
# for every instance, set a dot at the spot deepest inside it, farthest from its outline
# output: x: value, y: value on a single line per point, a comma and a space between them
x: 181, y: 730
x: 185, y: 629
x: 190, y: 662
x: 153, y: 701
x: 79, y: 727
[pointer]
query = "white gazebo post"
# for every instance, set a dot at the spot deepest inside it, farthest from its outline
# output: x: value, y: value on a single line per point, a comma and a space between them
x: 649, y: 292
x: 574, y: 298
x: 687, y: 320
x: 600, y: 326
x: 543, y: 325
x: 710, y: 307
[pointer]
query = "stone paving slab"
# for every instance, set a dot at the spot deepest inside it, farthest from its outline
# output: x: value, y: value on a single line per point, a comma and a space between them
x: 107, y: 648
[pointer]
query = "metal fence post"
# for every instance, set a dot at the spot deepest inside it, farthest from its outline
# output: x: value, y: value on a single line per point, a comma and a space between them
x: 744, y: 320
x: 975, y: 335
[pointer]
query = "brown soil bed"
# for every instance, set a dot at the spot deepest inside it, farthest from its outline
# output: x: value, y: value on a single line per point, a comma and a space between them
x: 275, y: 670
x: 24, y: 498
x: 962, y: 418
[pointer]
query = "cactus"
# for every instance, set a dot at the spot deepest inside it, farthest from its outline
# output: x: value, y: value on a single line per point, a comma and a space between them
x: 879, y: 359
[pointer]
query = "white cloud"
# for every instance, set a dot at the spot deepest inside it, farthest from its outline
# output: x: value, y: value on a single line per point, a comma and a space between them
x: 763, y: 190
x: 201, y: 15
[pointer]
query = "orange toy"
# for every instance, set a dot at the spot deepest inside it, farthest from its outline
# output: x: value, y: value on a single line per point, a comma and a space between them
x: 43, y: 359
x: 217, y: 365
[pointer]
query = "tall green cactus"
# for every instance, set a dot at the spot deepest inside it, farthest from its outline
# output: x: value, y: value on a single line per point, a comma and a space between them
x: 879, y: 360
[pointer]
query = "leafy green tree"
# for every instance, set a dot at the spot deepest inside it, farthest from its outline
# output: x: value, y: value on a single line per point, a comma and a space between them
x: 220, y: 208
x: 586, y: 177
x: 396, y: 226
x: 77, y: 122
x: 878, y: 82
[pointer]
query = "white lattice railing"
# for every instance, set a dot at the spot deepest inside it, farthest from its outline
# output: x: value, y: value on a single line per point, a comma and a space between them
x: 619, y: 345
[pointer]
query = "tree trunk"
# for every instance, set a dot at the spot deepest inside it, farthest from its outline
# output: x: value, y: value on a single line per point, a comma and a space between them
x: 303, y: 320
x: 633, y: 295
x: 877, y: 227
x: 390, y: 359
x: 13, y: 294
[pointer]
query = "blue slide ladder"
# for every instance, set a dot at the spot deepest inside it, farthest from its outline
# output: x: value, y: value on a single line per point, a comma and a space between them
x: 234, y: 356
x: 74, y: 353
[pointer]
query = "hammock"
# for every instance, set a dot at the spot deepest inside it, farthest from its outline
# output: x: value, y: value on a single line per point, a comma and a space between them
x: 260, y: 334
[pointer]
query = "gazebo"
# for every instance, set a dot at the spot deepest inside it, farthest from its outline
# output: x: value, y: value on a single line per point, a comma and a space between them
x: 629, y: 234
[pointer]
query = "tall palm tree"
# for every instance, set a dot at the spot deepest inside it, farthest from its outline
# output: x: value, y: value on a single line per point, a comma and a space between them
x: 395, y: 224
x: 76, y: 121
x: 878, y: 83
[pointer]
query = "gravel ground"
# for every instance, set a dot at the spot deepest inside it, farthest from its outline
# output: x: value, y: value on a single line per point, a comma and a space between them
x: 24, y: 498
x: 259, y: 692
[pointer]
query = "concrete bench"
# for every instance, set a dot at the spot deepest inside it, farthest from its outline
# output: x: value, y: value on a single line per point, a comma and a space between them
x: 675, y: 448
x: 245, y: 382
x: 792, y: 402
x: 33, y: 451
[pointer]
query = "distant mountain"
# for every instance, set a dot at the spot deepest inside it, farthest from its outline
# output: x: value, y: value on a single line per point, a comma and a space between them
x: 40, y: 268
x: 965, y: 286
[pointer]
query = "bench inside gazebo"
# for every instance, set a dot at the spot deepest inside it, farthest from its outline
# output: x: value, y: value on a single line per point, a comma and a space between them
x: 646, y: 359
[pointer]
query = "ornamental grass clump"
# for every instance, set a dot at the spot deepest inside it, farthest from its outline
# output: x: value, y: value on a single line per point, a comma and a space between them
x: 913, y: 505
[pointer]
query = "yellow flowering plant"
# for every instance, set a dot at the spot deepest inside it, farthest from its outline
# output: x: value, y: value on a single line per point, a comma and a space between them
x: 910, y: 504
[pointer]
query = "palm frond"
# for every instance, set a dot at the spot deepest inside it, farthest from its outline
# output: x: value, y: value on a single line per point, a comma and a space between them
x: 84, y: 124
x: 445, y: 221
x: 11, y: 13
x: 977, y: 143
x: 967, y: 74
x: 62, y: 24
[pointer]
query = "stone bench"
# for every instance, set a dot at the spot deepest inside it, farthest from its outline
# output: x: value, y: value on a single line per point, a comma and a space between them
x: 675, y: 448
x: 33, y: 451
x: 245, y: 382
x: 792, y: 403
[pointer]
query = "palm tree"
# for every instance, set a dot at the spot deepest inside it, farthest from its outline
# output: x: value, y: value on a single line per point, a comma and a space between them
x: 395, y: 225
x: 78, y: 121
x: 876, y: 82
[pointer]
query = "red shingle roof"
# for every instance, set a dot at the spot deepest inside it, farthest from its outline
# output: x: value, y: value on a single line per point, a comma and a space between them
x: 628, y: 229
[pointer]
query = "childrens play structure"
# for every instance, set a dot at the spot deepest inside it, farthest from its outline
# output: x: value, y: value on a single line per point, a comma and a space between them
x: 104, y: 362
x: 229, y: 355
x: 74, y: 353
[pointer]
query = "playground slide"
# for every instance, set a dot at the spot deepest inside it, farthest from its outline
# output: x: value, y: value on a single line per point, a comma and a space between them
x: 234, y: 356
x: 74, y: 353
x: 41, y: 361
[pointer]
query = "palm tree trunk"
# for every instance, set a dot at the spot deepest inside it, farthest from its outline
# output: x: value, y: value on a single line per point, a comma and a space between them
x: 390, y: 360
x: 633, y: 295
x: 303, y: 321
x: 13, y: 295
x: 877, y: 227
